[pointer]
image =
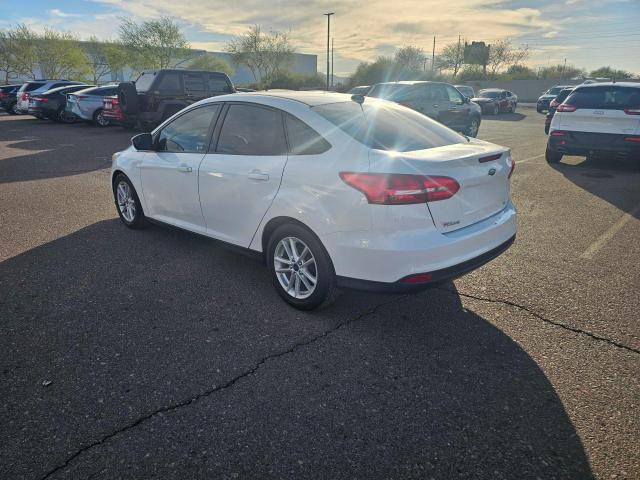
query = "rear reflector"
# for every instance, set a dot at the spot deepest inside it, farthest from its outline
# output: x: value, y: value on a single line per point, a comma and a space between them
x: 400, y: 188
x: 513, y: 167
x: 632, y: 111
x: 563, y: 107
x: 632, y: 139
x: 418, y: 278
x: 489, y: 158
x: 24, y: 96
x: 557, y: 133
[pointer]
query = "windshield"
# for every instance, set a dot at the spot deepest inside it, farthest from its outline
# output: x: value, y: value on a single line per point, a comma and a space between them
x: 488, y: 94
x: 387, y: 126
x: 144, y: 81
x: 467, y: 91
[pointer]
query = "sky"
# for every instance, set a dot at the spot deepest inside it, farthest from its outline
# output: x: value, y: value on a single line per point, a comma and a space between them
x: 588, y: 33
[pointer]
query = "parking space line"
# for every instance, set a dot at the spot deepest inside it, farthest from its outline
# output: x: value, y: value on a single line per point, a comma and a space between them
x: 519, y: 162
x: 608, y: 235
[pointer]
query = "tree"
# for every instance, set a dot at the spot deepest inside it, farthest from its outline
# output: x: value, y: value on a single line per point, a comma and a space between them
x: 451, y: 58
x: 561, y: 71
x: 384, y: 69
x: 608, y: 72
x: 18, y: 52
x: 519, y: 72
x: 103, y: 58
x: 7, y: 63
x: 502, y: 53
x: 211, y: 64
x: 154, y: 43
x: 264, y: 54
x: 59, y: 55
x: 410, y: 59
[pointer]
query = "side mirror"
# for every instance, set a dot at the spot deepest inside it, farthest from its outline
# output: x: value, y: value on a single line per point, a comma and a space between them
x: 142, y: 141
x: 467, y: 99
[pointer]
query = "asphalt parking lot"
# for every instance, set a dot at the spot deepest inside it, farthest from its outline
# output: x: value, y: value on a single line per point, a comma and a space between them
x: 161, y: 354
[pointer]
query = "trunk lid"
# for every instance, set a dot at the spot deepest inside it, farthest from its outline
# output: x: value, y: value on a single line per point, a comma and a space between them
x: 481, y: 169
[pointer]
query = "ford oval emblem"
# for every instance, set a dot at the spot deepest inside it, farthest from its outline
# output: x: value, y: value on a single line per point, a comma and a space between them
x: 492, y: 171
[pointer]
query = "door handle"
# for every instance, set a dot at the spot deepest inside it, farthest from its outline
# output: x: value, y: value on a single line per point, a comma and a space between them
x: 258, y: 175
x: 184, y: 168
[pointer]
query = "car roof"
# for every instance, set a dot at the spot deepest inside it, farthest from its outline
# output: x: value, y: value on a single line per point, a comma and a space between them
x: 64, y: 87
x: 311, y: 98
x: 406, y: 82
x: 222, y: 74
x: 492, y: 89
x: 609, y: 84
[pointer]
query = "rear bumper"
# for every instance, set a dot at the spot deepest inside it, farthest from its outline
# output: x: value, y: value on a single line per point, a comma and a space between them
x: 388, y: 257
x: 589, y: 143
x: 37, y: 112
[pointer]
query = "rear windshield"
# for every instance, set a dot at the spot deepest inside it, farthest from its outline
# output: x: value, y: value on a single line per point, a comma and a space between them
x: 387, y: 126
x: 606, y: 97
x: 563, y: 94
x: 28, y: 87
x: 144, y: 81
x: 488, y: 94
x: 385, y: 90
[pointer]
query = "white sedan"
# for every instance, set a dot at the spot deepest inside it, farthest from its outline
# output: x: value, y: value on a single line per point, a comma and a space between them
x: 331, y: 189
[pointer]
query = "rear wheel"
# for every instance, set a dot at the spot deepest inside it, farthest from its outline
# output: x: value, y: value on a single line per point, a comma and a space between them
x: 302, y: 271
x: 99, y: 119
x: 552, y: 156
x: 127, y: 202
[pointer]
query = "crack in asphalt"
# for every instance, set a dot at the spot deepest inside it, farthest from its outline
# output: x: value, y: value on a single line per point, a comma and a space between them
x: 544, y: 319
x: 215, y: 388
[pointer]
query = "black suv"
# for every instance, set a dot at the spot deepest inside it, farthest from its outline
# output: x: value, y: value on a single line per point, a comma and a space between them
x: 8, y: 98
x: 440, y: 101
x: 157, y: 94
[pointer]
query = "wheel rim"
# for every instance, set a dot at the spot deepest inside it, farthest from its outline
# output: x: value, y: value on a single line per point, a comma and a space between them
x: 126, y: 202
x: 495, y: 110
x: 101, y: 120
x: 473, y: 128
x: 295, y: 268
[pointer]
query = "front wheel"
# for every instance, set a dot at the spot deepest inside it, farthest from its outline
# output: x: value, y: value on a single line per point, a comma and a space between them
x: 302, y: 271
x: 473, y: 128
x: 552, y: 156
x: 496, y: 110
x: 127, y: 202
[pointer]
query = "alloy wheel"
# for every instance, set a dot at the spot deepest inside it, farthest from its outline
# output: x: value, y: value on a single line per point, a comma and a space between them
x: 295, y: 267
x: 126, y: 202
x: 473, y: 128
x: 101, y: 120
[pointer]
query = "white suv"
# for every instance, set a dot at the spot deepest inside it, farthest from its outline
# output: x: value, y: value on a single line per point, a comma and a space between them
x: 330, y: 189
x: 597, y: 118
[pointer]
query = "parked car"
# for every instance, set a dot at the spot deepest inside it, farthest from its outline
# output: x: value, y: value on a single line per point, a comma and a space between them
x: 254, y: 181
x: 35, y: 87
x: 361, y: 90
x: 157, y: 94
x: 437, y: 100
x: 564, y: 93
x: 87, y: 104
x: 51, y: 104
x: 8, y: 99
x: 597, y: 118
x: 466, y: 90
x: 496, y: 100
x: 545, y: 99
x: 112, y: 112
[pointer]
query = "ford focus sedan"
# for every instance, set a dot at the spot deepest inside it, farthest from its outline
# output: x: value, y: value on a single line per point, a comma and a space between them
x: 330, y: 189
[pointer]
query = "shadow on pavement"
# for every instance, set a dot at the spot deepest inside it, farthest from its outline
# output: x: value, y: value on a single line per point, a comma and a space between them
x: 44, y: 149
x: 612, y: 179
x: 123, y: 323
x: 505, y: 117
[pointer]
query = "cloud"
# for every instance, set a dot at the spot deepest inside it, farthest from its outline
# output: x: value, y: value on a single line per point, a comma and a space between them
x: 59, y: 13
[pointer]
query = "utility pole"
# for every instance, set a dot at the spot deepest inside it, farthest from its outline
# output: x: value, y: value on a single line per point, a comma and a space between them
x: 328, y: 33
x: 332, y: 72
x: 433, y: 55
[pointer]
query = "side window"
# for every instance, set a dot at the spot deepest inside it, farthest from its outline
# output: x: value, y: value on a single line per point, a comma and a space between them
x: 217, y: 84
x: 304, y: 140
x: 438, y: 93
x: 193, y: 84
x: 56, y: 85
x: 454, y: 95
x: 169, y: 83
x: 107, y: 92
x: 252, y: 130
x: 189, y: 133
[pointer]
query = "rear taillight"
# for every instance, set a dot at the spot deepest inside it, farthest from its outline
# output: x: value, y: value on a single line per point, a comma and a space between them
x: 490, y: 158
x: 632, y: 139
x: 632, y: 111
x: 40, y: 99
x: 554, y: 103
x: 418, y: 278
x: 563, y: 107
x: 401, y: 189
x: 24, y: 96
x: 558, y: 133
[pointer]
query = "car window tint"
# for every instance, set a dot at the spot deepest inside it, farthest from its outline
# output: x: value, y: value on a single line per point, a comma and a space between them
x: 454, y: 95
x: 304, y: 140
x: 193, y: 84
x: 169, y: 83
x: 386, y: 90
x: 189, y: 132
x: 388, y: 127
x: 28, y: 87
x: 605, y: 97
x: 106, y: 92
x: 252, y: 130
x: 144, y: 81
x: 438, y: 92
x: 218, y: 84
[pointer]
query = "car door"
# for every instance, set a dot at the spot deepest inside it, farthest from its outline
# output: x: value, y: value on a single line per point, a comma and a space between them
x: 169, y: 174
x: 459, y: 111
x: 240, y: 176
x: 441, y: 104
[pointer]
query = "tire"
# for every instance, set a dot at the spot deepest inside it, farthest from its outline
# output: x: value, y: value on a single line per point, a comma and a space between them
x: 63, y: 117
x: 496, y: 110
x: 513, y: 108
x: 13, y: 109
x: 128, y: 98
x: 124, y: 203
x: 474, y: 126
x: 99, y: 120
x: 551, y: 156
x: 319, y: 266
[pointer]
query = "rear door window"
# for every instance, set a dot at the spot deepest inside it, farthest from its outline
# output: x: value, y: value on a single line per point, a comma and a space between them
x: 194, y: 84
x: 608, y: 97
x: 169, y: 83
x: 454, y: 95
x: 252, y: 130
x: 304, y: 140
x: 217, y: 84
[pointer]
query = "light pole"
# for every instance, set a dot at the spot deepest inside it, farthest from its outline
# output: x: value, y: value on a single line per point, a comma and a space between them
x: 328, y: 33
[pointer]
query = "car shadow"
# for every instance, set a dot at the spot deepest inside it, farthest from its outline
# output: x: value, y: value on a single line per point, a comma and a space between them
x: 122, y: 322
x: 505, y: 117
x: 37, y: 149
x: 612, y: 179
